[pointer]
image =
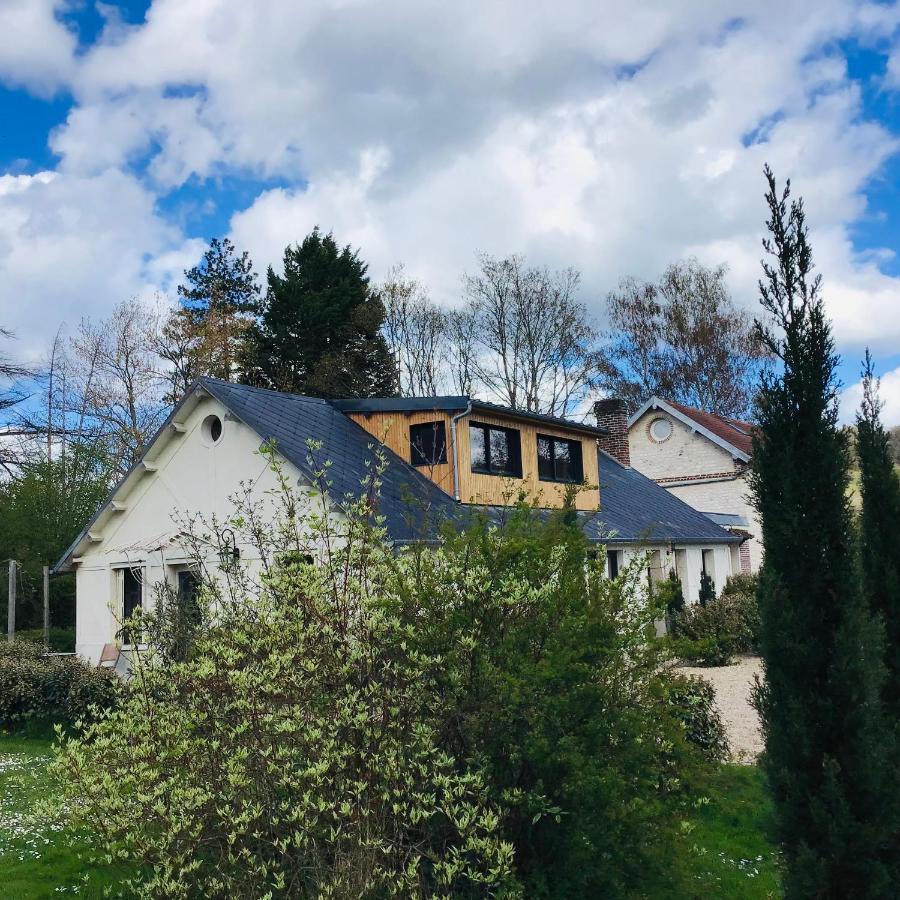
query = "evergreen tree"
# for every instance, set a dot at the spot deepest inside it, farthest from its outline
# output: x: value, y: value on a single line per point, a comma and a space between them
x: 320, y: 328
x: 821, y: 646
x: 880, y: 555
x: 707, y: 590
x: 207, y: 333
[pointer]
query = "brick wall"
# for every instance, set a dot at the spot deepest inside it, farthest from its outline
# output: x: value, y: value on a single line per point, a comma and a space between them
x: 612, y: 416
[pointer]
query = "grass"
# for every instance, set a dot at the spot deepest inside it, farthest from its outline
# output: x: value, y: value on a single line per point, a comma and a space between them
x: 731, y: 855
x: 38, y: 858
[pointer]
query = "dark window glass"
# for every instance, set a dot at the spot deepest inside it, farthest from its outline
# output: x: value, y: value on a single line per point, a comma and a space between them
x: 215, y: 428
x: 478, y: 442
x: 545, y: 458
x: 132, y: 595
x: 495, y: 450
x: 559, y: 459
x: 612, y: 561
x: 428, y: 444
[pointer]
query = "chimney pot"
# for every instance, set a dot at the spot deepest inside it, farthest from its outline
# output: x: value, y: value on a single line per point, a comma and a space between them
x: 612, y: 416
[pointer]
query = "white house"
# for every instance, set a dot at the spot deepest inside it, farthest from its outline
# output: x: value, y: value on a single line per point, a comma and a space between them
x: 704, y: 460
x: 444, y: 454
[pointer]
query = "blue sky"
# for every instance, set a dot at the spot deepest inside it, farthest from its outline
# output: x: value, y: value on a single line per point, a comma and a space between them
x: 602, y: 135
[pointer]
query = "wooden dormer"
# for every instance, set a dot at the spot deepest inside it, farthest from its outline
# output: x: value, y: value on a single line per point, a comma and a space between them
x: 498, y: 447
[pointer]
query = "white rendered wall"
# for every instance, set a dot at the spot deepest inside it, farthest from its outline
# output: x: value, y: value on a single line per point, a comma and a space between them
x: 191, y: 477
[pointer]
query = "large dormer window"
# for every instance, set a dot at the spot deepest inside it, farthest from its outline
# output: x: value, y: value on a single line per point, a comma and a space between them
x: 559, y: 459
x: 495, y: 450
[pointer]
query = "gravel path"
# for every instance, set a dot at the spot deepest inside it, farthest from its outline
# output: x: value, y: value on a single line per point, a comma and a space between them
x: 732, y: 685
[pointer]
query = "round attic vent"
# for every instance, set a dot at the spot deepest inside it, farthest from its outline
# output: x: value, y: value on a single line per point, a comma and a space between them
x: 212, y: 429
x: 660, y: 430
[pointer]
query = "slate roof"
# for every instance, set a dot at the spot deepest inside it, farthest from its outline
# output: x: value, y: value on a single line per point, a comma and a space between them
x: 411, y: 503
x: 452, y: 404
x: 634, y: 508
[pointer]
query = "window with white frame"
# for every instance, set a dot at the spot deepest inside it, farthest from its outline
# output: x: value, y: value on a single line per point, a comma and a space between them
x: 130, y: 590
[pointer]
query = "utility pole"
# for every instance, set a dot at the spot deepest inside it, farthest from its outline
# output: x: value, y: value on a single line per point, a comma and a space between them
x: 47, y: 608
x: 11, y: 610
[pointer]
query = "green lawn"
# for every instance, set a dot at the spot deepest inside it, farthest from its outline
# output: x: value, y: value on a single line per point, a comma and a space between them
x: 731, y: 856
x: 37, y: 858
x: 732, y: 852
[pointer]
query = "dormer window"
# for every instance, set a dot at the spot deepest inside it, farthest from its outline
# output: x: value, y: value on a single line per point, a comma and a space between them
x: 495, y: 450
x: 559, y: 459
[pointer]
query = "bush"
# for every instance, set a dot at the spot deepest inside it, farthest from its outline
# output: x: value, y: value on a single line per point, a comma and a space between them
x: 291, y: 750
x: 694, y: 702
x: 490, y: 717
x: 551, y: 676
x: 669, y: 595
x: 741, y: 584
x: 712, y: 635
x: 36, y: 688
x: 707, y: 590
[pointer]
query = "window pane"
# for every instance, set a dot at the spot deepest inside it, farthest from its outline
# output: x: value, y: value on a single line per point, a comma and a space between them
x: 545, y: 458
x: 563, y: 461
x: 499, y: 451
x: 428, y: 445
x: 612, y: 561
x: 479, y: 448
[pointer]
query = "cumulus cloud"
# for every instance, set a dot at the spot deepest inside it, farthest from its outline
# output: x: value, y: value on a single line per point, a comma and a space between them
x: 612, y: 136
x: 72, y: 247
x: 36, y: 49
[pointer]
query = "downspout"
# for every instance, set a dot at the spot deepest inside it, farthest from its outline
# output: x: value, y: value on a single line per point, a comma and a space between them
x: 453, y: 421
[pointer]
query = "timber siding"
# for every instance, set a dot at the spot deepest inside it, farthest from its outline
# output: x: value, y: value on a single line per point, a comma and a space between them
x: 392, y: 429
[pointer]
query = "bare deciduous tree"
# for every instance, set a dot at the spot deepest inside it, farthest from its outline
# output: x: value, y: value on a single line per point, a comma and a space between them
x: 535, y: 342
x: 119, y: 380
x: 416, y: 330
x: 682, y: 338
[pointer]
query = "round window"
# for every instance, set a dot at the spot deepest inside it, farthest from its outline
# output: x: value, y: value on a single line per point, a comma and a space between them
x: 660, y: 430
x: 212, y: 429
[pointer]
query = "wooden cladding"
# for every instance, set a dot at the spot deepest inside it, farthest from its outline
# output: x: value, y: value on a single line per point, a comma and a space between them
x: 393, y: 430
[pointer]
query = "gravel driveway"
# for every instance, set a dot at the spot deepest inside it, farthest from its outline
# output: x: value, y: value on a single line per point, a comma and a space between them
x: 732, y: 685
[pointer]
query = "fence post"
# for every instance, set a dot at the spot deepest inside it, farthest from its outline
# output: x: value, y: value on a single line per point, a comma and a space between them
x: 11, y: 610
x: 47, y: 607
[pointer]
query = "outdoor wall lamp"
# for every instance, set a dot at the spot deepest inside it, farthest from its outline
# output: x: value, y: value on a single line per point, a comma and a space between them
x: 229, y: 552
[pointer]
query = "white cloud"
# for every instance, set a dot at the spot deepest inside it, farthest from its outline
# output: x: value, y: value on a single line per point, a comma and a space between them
x: 36, y: 49
x: 611, y: 135
x: 889, y: 391
x: 72, y: 247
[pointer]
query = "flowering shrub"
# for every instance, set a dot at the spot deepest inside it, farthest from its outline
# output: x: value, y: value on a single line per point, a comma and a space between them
x: 35, y: 687
x: 291, y: 752
x: 488, y: 717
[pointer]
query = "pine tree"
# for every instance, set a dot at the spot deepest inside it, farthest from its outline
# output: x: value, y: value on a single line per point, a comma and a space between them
x: 320, y: 328
x: 707, y: 590
x: 207, y: 333
x: 821, y: 646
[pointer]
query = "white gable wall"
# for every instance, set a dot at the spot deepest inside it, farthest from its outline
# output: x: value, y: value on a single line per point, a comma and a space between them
x: 191, y: 477
x: 711, y: 479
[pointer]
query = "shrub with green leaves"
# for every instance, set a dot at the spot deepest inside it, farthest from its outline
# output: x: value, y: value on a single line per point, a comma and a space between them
x: 293, y: 750
x: 694, y: 701
x: 490, y: 717
x: 552, y: 677
x: 41, y: 689
x: 714, y: 634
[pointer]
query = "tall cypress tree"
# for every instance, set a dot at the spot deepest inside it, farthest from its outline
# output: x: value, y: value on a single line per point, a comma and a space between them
x: 880, y: 555
x: 821, y: 646
x: 320, y: 328
x: 879, y: 540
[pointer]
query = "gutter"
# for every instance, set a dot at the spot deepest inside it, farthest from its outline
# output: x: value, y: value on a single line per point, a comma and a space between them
x: 453, y: 421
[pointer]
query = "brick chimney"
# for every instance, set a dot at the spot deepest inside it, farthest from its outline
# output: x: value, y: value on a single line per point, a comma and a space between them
x: 611, y: 415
